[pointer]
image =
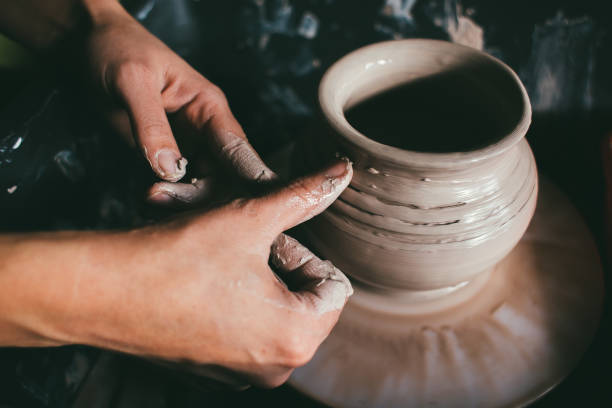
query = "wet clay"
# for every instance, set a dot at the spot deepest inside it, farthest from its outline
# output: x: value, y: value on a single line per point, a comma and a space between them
x: 501, y: 342
x: 413, y: 219
x: 448, y: 310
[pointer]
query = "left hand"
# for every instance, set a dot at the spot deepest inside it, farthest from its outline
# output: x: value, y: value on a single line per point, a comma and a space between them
x: 144, y: 82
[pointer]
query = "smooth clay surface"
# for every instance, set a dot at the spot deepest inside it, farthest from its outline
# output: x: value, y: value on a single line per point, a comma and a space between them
x: 508, y: 339
x: 418, y: 221
x: 436, y: 318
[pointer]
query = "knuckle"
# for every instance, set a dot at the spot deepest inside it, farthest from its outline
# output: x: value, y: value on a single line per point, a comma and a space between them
x: 215, y: 94
x: 215, y: 99
x: 237, y: 150
x: 297, y: 349
x: 128, y: 72
x: 207, y: 104
x: 155, y: 128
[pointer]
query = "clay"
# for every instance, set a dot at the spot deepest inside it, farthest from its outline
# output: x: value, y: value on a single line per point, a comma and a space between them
x: 199, y: 190
x: 415, y: 220
x: 303, y: 272
x: 502, y: 340
x: 442, y: 315
x: 242, y: 158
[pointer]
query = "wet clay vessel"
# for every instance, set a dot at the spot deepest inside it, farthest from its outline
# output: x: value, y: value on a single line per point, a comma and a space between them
x: 448, y: 310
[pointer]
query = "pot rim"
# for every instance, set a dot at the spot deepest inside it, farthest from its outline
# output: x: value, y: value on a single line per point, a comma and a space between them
x: 336, y: 119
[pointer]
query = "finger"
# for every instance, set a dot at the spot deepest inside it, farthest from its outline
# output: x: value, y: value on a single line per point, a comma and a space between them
x: 318, y: 284
x: 232, y: 148
x: 287, y: 254
x: 119, y: 121
x: 302, y: 199
x: 166, y: 193
x: 152, y: 131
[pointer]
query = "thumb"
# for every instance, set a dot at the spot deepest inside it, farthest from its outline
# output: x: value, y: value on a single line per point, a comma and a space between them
x: 315, y: 282
x: 152, y: 131
x: 303, y: 198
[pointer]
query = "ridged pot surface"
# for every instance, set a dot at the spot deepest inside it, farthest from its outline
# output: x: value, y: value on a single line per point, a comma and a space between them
x: 414, y: 220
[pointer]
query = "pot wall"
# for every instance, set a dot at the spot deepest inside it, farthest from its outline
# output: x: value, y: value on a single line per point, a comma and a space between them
x: 415, y: 220
x: 445, y: 230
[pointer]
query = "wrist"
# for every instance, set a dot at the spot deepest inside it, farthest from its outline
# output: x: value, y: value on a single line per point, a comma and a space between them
x: 45, y: 26
x: 55, y: 288
x: 88, y: 16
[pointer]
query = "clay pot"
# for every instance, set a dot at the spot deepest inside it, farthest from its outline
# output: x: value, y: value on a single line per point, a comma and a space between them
x: 420, y: 221
x: 436, y: 319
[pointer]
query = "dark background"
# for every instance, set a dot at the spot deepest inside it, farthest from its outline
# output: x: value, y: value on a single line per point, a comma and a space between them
x: 268, y: 56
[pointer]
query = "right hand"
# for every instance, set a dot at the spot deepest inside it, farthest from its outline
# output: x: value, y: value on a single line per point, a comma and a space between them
x: 200, y: 290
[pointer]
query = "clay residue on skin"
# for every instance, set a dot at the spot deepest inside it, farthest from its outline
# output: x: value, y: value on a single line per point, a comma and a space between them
x: 243, y: 158
x: 287, y: 253
x: 318, y: 199
x: 332, y: 290
x: 197, y: 191
x: 304, y: 272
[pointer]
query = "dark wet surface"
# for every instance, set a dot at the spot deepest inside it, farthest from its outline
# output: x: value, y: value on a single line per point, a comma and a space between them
x: 439, y: 114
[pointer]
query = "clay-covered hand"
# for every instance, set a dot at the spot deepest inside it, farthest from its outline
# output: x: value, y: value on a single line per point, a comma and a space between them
x: 200, y: 289
x: 141, y: 76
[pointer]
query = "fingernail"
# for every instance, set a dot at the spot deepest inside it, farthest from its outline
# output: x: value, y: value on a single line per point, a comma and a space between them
x: 170, y: 166
x: 338, y: 169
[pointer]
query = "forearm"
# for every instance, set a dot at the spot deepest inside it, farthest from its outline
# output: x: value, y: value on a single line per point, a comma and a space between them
x: 56, y: 288
x: 43, y: 24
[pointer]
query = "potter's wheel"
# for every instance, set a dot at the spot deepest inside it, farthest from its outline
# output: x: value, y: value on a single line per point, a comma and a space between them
x: 503, y: 340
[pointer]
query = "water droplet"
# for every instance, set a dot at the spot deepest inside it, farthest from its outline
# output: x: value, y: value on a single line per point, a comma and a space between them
x: 17, y: 143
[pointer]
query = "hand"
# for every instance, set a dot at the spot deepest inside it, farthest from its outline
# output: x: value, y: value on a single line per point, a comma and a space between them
x: 195, y: 290
x: 142, y: 77
x: 199, y: 289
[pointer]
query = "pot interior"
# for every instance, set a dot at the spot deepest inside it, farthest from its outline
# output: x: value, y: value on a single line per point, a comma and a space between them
x: 425, y: 96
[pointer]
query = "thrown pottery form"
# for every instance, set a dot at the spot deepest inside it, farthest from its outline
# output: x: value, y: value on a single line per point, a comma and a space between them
x: 425, y: 221
x: 436, y: 317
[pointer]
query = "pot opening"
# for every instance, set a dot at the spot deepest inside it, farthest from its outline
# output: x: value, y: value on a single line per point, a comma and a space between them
x: 451, y: 111
x: 407, y: 99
